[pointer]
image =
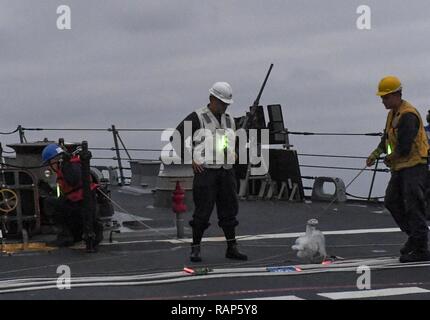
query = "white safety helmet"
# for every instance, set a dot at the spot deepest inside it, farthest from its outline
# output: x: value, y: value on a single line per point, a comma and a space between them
x: 222, y: 91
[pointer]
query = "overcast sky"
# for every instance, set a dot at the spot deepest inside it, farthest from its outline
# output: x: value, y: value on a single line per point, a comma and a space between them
x: 138, y: 63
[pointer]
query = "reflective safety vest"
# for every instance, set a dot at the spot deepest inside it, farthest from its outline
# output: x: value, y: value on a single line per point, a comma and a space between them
x: 76, y: 193
x: 214, y: 143
x: 420, y: 146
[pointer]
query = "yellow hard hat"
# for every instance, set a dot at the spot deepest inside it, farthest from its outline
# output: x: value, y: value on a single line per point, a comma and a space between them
x: 388, y: 85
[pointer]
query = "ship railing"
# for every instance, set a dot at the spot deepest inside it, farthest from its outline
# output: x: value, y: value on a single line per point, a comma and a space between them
x: 121, y: 153
x: 374, y: 169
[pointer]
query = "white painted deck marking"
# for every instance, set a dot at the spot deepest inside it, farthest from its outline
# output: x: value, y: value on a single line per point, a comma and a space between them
x: 263, y: 236
x: 291, y: 235
x: 373, y: 293
x: 122, y: 216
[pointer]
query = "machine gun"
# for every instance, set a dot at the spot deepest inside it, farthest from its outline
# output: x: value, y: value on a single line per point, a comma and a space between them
x: 255, y: 117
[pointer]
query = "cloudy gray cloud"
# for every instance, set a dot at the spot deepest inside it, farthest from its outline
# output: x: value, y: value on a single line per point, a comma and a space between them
x: 149, y: 63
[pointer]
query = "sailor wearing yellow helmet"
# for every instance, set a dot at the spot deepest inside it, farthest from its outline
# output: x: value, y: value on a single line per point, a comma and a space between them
x: 405, y: 144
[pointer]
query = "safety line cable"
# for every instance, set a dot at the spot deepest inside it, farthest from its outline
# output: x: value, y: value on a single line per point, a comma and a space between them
x: 373, y: 134
x: 364, y: 198
x: 11, y: 132
x: 137, y: 220
x: 22, y: 167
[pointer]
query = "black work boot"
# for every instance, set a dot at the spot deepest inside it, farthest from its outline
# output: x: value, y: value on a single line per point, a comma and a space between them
x: 407, y: 248
x: 416, y: 255
x: 230, y: 235
x: 195, y: 246
x: 233, y: 253
x: 195, y: 253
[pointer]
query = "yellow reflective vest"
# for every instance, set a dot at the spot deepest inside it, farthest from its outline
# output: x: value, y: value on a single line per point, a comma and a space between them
x: 420, y: 146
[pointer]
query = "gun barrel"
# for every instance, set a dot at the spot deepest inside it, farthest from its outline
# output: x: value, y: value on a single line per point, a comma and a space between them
x: 257, y: 101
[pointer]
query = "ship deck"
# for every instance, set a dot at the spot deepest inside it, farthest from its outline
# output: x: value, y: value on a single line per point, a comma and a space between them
x: 146, y: 260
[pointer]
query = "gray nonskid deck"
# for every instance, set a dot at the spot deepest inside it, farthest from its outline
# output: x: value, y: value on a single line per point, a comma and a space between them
x: 357, y: 233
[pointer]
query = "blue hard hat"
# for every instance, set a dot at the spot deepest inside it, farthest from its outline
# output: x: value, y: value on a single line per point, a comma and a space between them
x: 50, y: 152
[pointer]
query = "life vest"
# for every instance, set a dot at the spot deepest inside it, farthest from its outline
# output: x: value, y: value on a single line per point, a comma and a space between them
x: 420, y: 146
x: 76, y: 193
x: 214, y: 143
